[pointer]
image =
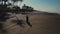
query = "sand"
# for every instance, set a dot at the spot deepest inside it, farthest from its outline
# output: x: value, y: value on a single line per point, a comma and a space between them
x: 41, y: 24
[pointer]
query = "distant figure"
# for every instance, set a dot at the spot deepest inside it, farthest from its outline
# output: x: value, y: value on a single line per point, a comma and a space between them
x: 27, y: 21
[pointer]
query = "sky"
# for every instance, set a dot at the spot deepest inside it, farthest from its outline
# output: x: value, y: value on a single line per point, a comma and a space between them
x: 44, y: 5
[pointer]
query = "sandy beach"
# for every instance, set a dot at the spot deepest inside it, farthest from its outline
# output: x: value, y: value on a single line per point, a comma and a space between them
x: 41, y: 24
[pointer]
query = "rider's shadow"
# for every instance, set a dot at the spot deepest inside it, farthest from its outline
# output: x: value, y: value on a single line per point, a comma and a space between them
x: 19, y: 22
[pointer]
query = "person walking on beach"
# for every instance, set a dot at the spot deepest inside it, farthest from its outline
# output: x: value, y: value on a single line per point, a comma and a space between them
x: 27, y: 21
